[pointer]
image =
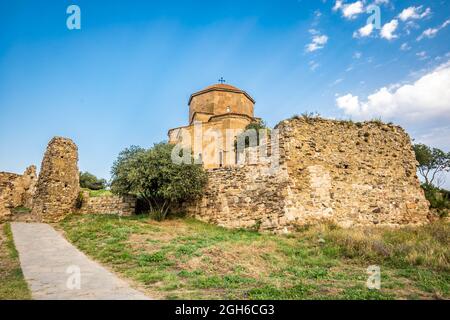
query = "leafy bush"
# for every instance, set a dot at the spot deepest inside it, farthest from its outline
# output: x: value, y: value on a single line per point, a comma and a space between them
x: 89, y: 181
x: 439, y: 199
x: 152, y: 175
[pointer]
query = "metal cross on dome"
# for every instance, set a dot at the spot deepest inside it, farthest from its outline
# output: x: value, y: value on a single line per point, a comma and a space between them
x: 221, y: 80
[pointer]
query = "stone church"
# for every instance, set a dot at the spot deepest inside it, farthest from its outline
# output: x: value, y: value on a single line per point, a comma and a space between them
x: 221, y: 112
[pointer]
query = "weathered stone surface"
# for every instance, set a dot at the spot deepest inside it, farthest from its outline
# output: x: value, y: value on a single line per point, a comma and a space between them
x: 347, y: 173
x: 58, y: 184
x: 16, y: 190
x: 122, y: 206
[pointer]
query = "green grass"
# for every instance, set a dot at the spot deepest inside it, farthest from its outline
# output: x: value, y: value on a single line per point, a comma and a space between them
x: 185, y: 258
x: 98, y: 193
x: 12, y: 283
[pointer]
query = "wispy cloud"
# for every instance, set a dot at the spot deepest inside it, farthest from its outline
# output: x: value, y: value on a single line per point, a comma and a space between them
x: 405, y: 46
x: 313, y: 65
x: 414, y: 13
x: 318, y: 41
x: 432, y: 32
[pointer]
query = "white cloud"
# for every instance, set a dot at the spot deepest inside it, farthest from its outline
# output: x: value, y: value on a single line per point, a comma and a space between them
x: 336, y: 82
x: 425, y: 99
x: 387, y: 31
x: 352, y: 10
x: 414, y: 13
x: 422, y: 55
x: 338, y: 5
x: 357, y: 55
x: 313, y: 65
x: 381, y: 1
x: 431, y: 32
x: 318, y: 42
x: 364, y: 31
x: 405, y: 47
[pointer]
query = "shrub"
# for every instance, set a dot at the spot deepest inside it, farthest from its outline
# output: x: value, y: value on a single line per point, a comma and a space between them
x: 439, y: 199
x: 89, y: 181
x: 153, y: 176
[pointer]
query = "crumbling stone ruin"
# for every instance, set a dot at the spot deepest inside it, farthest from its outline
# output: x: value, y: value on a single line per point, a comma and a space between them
x: 119, y: 205
x: 57, y: 192
x: 352, y: 174
x: 58, y: 184
x: 16, y: 190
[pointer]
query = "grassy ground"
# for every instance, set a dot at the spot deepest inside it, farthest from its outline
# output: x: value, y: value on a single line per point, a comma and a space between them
x: 98, y: 193
x: 184, y: 258
x: 12, y: 283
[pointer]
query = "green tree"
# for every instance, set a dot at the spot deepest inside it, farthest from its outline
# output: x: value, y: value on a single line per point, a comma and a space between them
x: 257, y: 126
x: 89, y: 181
x: 152, y: 175
x: 432, y: 162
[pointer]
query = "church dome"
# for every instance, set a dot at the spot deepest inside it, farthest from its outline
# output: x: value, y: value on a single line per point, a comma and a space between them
x: 221, y: 87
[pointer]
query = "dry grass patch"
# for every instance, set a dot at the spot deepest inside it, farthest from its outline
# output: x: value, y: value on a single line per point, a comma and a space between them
x: 185, y: 258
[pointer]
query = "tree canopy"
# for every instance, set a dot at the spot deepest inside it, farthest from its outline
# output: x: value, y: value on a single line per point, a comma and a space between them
x: 152, y: 175
x: 90, y: 181
x: 432, y: 162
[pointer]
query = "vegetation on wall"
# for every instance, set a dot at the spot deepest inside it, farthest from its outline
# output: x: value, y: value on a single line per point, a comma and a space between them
x: 257, y: 126
x: 90, y: 181
x: 152, y: 175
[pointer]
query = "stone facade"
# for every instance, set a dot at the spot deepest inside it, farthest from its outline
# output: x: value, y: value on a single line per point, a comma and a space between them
x: 217, y: 114
x: 16, y: 190
x: 122, y: 206
x: 352, y: 174
x: 58, y: 184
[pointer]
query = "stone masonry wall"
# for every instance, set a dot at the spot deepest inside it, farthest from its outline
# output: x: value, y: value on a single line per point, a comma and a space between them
x: 122, y: 206
x: 352, y: 174
x: 58, y: 184
x: 17, y: 190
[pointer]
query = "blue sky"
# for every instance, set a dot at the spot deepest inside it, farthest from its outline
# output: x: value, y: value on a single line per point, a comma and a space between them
x: 126, y: 76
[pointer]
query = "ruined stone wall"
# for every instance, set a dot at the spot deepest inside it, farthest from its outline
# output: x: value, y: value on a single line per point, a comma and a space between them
x: 250, y: 196
x: 122, y: 206
x: 58, y: 184
x: 17, y: 190
x: 352, y: 174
